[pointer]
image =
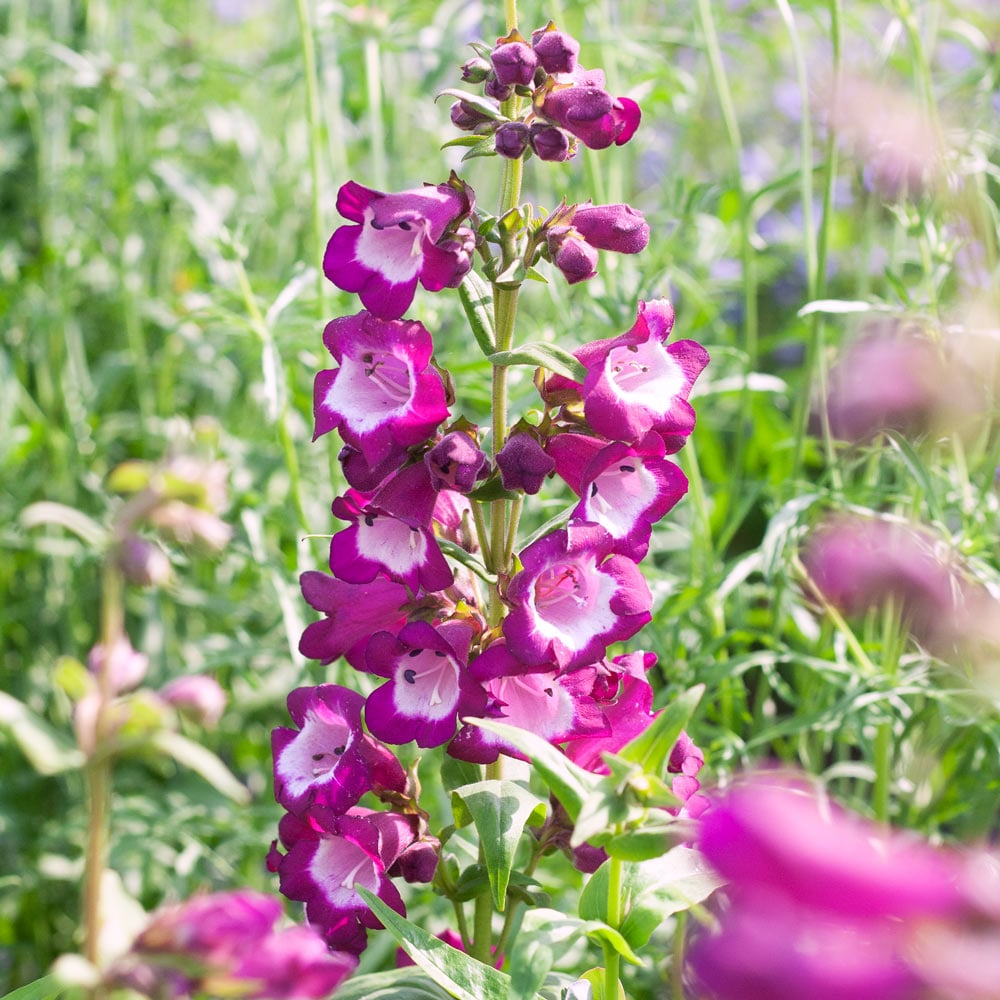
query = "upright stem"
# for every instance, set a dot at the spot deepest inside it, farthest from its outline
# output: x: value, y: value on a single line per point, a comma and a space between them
x: 612, y: 960
x: 98, y: 769
x: 315, y: 140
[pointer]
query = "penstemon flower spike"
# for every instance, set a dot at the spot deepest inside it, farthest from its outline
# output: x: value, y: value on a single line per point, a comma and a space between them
x: 432, y: 591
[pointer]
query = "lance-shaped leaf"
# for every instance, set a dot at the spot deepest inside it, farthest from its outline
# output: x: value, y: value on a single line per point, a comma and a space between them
x: 500, y: 810
x: 202, y: 761
x: 47, y: 749
x: 477, y: 301
x: 540, y: 354
x: 651, y: 748
x: 408, y: 983
x: 651, y: 891
x: 463, y: 977
x: 570, y: 784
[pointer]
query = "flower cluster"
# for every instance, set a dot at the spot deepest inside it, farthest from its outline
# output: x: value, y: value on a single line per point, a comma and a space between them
x: 824, y: 905
x: 225, y: 944
x: 568, y: 104
x: 451, y: 621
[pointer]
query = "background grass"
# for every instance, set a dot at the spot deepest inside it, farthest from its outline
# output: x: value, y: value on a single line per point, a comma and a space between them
x: 159, y: 241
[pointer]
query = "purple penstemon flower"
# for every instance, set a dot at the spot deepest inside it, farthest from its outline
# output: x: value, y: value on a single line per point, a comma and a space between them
x: 398, y: 239
x: 385, y: 394
x: 329, y: 760
x: 579, y: 103
x: 555, y: 706
x: 637, y: 383
x: 573, y: 598
x: 624, y: 488
x: 327, y: 855
x: 385, y: 539
x: 428, y: 683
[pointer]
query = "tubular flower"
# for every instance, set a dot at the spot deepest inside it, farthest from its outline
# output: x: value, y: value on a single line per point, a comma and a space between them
x: 327, y: 855
x: 553, y: 706
x: 224, y: 944
x: 428, y: 683
x: 398, y: 239
x: 624, y: 488
x: 579, y: 103
x: 385, y: 394
x: 573, y: 598
x: 329, y: 760
x: 636, y: 382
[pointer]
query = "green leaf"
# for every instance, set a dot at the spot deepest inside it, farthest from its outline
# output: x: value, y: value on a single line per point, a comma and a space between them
x: 651, y: 891
x: 476, y: 297
x: 570, y: 784
x: 482, y: 104
x: 47, y: 750
x: 529, y: 965
x: 49, y: 512
x: 558, y: 931
x: 461, y: 975
x: 651, y: 748
x: 398, y: 984
x: 202, y: 761
x: 604, y: 809
x: 651, y: 840
x: 500, y: 810
x: 45, y: 988
x: 840, y: 306
x: 542, y: 355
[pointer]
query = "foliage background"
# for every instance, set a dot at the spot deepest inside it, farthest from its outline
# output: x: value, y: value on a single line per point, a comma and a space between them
x: 158, y: 293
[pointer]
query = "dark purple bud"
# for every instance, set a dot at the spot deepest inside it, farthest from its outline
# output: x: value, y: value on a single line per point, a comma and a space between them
x: 497, y: 90
x: 514, y: 60
x: 556, y: 50
x: 455, y: 463
x: 573, y: 255
x: 475, y: 70
x: 466, y: 117
x: 512, y: 140
x: 524, y: 464
x: 550, y: 143
x: 612, y: 227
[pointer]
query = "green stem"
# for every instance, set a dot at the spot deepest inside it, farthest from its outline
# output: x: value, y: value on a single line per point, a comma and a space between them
x: 677, y: 964
x: 612, y: 960
x: 308, y: 43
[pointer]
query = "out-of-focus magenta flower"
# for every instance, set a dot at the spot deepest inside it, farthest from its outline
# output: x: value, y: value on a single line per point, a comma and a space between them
x: 858, y: 563
x: 821, y: 904
x: 225, y: 944
x: 396, y: 240
x: 523, y: 463
x: 514, y: 60
x: 197, y: 696
x: 586, y: 110
x: 385, y: 394
x: 125, y: 666
x: 573, y: 598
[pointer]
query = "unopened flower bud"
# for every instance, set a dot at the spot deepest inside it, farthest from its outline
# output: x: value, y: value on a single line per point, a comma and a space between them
x: 196, y: 696
x: 573, y: 255
x: 511, y: 140
x: 456, y: 462
x: 126, y: 667
x: 556, y: 50
x: 466, y: 117
x: 612, y: 227
x: 514, y: 60
x: 524, y: 463
x: 143, y: 562
x: 550, y: 143
x: 497, y: 90
x: 475, y: 70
